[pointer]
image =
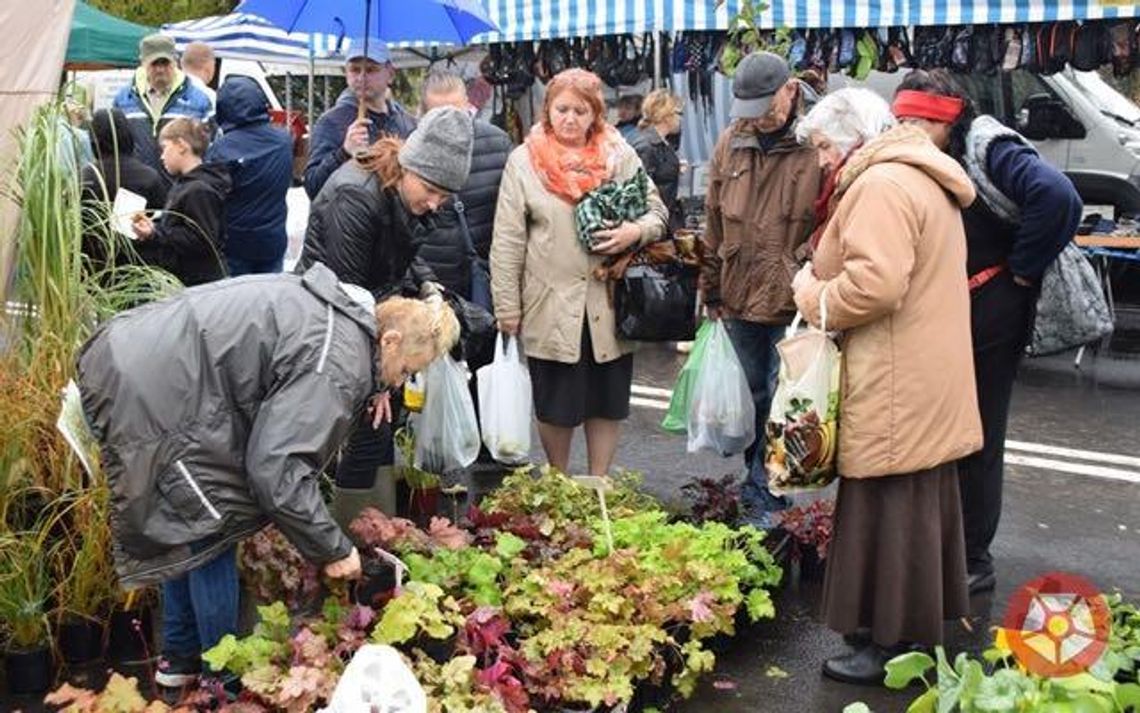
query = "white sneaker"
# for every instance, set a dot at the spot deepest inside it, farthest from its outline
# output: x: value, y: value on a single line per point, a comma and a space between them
x: 684, y: 347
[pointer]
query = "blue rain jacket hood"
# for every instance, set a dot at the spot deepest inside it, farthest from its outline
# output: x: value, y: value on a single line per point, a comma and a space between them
x: 259, y: 156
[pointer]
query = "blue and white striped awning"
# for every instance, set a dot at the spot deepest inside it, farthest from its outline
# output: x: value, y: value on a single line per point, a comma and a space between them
x: 544, y: 19
x: 244, y: 36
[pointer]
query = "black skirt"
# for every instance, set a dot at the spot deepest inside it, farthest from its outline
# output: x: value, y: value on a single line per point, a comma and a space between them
x: 897, y: 561
x: 565, y: 395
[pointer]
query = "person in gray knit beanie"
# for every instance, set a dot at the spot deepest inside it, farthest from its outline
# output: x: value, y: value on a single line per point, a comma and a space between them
x: 439, y: 150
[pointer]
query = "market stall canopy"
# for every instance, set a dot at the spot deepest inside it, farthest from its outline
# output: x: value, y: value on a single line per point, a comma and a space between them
x: 244, y: 36
x: 99, y: 40
x: 544, y: 19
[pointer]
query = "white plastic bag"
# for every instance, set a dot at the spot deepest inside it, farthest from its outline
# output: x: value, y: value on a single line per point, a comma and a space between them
x: 447, y: 434
x: 505, y: 403
x: 377, y: 680
x: 802, y: 428
x: 722, y: 415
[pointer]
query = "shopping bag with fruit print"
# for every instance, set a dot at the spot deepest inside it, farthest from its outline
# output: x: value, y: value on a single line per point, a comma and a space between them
x: 803, y: 422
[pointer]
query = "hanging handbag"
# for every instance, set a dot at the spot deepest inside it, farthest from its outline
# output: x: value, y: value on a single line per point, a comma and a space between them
x: 655, y: 293
x: 480, y: 273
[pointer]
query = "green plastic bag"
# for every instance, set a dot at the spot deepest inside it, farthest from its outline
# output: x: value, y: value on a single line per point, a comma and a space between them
x: 677, y: 418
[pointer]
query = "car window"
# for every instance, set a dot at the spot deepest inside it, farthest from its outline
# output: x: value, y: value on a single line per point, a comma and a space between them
x: 1026, y: 84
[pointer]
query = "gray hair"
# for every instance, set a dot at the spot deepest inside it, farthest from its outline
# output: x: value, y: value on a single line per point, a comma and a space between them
x: 847, y: 118
x: 440, y: 83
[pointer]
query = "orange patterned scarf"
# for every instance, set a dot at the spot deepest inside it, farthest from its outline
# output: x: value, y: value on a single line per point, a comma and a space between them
x: 571, y: 173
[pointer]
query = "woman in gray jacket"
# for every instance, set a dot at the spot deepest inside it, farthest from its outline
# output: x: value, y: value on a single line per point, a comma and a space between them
x: 216, y: 410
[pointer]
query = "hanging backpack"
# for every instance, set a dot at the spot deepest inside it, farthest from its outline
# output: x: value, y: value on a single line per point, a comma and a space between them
x: 1060, y: 47
x: 630, y: 70
x: 962, y: 51
x: 846, y: 48
x: 981, y: 50
x: 1011, y: 49
x: 899, y: 47
x: 1121, y: 38
x: 797, y: 52
x: 1092, y: 46
x: 1032, y: 48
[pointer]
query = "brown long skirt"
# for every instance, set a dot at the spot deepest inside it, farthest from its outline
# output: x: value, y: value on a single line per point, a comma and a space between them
x: 897, y: 561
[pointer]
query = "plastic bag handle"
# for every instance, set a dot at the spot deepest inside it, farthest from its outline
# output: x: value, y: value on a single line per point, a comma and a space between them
x: 799, y: 318
x: 512, y: 348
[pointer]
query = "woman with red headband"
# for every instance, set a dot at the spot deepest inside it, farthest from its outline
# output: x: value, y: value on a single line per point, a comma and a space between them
x: 1026, y: 212
x: 889, y: 272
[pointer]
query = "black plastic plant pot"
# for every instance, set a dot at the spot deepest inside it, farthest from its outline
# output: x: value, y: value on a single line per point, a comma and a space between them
x: 132, y: 635
x: 377, y: 584
x: 424, y: 505
x: 438, y: 650
x: 80, y: 640
x: 29, y: 672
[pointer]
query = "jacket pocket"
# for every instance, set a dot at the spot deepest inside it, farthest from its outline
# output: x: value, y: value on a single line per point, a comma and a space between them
x: 187, y: 500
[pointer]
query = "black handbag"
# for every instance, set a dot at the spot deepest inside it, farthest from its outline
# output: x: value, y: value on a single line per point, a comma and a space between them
x: 657, y: 302
x: 480, y: 271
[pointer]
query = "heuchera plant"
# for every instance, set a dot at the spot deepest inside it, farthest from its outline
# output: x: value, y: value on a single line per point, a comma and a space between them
x: 273, y: 569
x: 811, y: 526
x: 714, y: 499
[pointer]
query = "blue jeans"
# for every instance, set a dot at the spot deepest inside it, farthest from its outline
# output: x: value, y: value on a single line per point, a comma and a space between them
x: 200, y: 607
x: 755, y: 346
x: 240, y: 266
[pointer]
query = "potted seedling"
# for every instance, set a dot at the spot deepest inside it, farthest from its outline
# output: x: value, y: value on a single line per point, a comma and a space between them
x: 82, y: 564
x: 418, y: 490
x: 25, y: 588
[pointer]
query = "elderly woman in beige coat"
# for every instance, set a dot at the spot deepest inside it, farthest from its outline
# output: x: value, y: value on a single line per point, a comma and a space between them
x: 890, y: 266
x: 542, y: 278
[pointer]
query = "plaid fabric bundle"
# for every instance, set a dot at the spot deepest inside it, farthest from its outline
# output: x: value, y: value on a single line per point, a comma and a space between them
x: 610, y: 204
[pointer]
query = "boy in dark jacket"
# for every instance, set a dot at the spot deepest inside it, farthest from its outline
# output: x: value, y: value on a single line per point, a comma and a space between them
x: 190, y: 234
x: 259, y: 157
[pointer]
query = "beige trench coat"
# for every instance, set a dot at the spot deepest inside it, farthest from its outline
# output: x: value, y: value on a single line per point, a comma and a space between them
x: 541, y: 274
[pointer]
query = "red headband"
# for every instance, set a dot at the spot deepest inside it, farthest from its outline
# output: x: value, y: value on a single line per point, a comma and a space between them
x: 910, y: 104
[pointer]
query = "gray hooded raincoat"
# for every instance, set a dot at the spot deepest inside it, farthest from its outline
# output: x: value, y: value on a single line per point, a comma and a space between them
x: 216, y: 410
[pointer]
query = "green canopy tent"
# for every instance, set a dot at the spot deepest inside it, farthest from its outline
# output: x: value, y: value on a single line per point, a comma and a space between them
x: 101, y: 41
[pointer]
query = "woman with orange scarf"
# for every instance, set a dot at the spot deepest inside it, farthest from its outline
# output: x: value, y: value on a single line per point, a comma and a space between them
x: 542, y: 279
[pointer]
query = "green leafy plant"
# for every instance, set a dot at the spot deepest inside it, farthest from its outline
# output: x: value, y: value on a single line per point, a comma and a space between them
x: 967, y: 686
x: 416, y: 478
x: 1122, y: 659
x: 468, y: 571
x: 454, y: 687
x: 293, y: 670
x: 25, y: 587
x: 745, y: 35
x: 420, y: 608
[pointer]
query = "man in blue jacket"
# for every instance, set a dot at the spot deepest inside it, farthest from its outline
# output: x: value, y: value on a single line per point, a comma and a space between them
x: 160, y: 92
x: 260, y: 160
x: 339, y: 133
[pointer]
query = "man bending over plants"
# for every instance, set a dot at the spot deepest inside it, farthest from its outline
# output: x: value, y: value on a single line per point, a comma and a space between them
x: 215, y: 411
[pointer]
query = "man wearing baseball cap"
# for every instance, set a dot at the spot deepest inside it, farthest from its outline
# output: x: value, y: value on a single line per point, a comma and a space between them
x: 347, y: 129
x: 159, y: 93
x: 762, y: 189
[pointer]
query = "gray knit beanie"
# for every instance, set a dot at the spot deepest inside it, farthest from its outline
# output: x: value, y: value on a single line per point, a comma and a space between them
x: 439, y: 150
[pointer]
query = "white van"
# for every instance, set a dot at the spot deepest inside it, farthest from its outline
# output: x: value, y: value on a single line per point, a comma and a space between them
x: 1078, y: 122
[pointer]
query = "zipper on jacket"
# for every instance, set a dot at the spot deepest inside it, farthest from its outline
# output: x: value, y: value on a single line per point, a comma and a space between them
x: 328, y: 340
x: 197, y: 489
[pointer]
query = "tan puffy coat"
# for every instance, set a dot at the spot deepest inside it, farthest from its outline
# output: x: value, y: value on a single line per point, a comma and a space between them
x: 892, y: 261
x: 541, y: 273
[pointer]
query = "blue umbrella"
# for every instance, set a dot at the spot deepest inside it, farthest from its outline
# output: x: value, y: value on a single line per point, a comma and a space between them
x: 444, y: 21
